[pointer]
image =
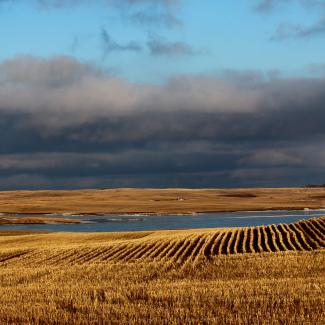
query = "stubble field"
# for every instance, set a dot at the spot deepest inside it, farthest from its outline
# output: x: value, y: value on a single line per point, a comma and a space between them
x: 261, y: 275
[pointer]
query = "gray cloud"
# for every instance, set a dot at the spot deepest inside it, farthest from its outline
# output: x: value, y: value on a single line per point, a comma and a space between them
x: 148, y: 13
x: 317, y: 69
x: 161, y: 47
x: 110, y: 45
x: 64, y: 122
x: 148, y: 18
x: 268, y: 5
x: 299, y: 31
x: 63, y: 3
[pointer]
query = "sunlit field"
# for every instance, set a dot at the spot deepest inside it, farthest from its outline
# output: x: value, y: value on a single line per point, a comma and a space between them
x: 262, y: 275
x: 161, y: 201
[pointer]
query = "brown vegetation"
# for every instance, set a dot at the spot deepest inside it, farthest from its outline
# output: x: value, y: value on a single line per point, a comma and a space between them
x: 261, y: 275
x: 9, y: 220
x: 160, y: 200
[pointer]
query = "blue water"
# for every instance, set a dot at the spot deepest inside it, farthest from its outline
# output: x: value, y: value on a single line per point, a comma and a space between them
x: 112, y: 223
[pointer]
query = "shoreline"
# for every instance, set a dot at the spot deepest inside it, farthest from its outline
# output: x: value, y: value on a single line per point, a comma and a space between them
x: 142, y: 214
x: 8, y: 220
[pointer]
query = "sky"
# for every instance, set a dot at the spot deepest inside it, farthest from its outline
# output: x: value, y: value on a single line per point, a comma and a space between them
x: 163, y: 93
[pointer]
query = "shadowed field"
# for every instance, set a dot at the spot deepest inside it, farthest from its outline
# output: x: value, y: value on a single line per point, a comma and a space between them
x: 261, y: 275
x: 161, y: 200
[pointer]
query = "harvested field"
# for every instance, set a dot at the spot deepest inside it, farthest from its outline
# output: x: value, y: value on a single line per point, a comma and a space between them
x: 161, y: 200
x: 178, y: 247
x: 262, y: 275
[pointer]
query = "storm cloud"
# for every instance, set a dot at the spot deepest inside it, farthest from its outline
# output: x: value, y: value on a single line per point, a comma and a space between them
x: 62, y: 119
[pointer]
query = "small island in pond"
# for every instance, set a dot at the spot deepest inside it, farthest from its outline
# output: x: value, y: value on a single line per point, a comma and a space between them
x: 13, y: 220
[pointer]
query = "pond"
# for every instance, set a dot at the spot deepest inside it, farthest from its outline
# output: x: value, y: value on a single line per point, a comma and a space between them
x: 141, y: 222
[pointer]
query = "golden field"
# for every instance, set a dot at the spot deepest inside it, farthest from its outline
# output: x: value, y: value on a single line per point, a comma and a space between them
x: 261, y: 275
x: 161, y: 200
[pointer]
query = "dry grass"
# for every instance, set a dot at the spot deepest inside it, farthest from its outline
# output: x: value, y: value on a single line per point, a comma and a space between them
x: 161, y: 201
x: 9, y: 220
x: 262, y: 275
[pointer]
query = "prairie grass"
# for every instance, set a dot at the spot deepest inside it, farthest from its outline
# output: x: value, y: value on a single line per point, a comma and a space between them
x: 161, y: 200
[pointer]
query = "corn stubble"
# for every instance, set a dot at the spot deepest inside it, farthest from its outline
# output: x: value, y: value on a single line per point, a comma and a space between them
x: 262, y: 275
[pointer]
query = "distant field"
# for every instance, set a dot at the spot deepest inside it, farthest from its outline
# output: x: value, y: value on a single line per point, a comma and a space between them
x: 161, y: 200
x: 261, y: 275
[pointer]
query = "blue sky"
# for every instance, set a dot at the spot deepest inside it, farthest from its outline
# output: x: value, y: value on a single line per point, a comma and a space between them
x: 223, y: 35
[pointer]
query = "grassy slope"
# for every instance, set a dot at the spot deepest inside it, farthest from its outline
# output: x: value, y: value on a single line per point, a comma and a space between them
x: 166, y: 277
x: 160, y: 201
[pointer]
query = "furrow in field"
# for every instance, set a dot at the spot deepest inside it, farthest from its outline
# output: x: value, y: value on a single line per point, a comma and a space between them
x: 12, y: 255
x: 114, y: 253
x: 300, y: 237
x: 90, y: 256
x: 120, y: 253
x: 96, y: 255
x: 161, y: 253
x: 292, y: 239
x: 223, y: 248
x: 307, y: 236
x: 316, y: 230
x: 107, y: 251
x: 198, y: 250
x: 185, y: 256
x: 284, y: 238
x: 258, y: 235
x: 216, y: 245
x: 321, y: 222
x: 156, y: 246
x: 166, y: 251
x: 78, y: 256
x: 264, y: 240
x: 137, y: 251
x: 271, y: 239
x: 184, y: 247
x: 278, y: 238
x: 320, y: 225
x: 231, y: 242
x: 144, y: 249
x: 311, y: 234
x: 44, y: 257
x: 36, y: 257
x: 21, y: 260
x: 239, y: 244
x: 133, y: 248
x: 172, y: 252
x: 251, y: 246
x: 207, y: 250
x: 62, y: 258
x: 245, y: 243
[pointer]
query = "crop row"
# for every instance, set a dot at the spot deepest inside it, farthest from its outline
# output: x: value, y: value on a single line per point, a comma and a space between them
x: 305, y: 235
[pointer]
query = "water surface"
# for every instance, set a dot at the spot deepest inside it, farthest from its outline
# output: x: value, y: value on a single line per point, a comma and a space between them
x: 113, y: 222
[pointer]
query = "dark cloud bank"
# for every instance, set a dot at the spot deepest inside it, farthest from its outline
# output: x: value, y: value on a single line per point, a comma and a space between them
x: 68, y: 124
